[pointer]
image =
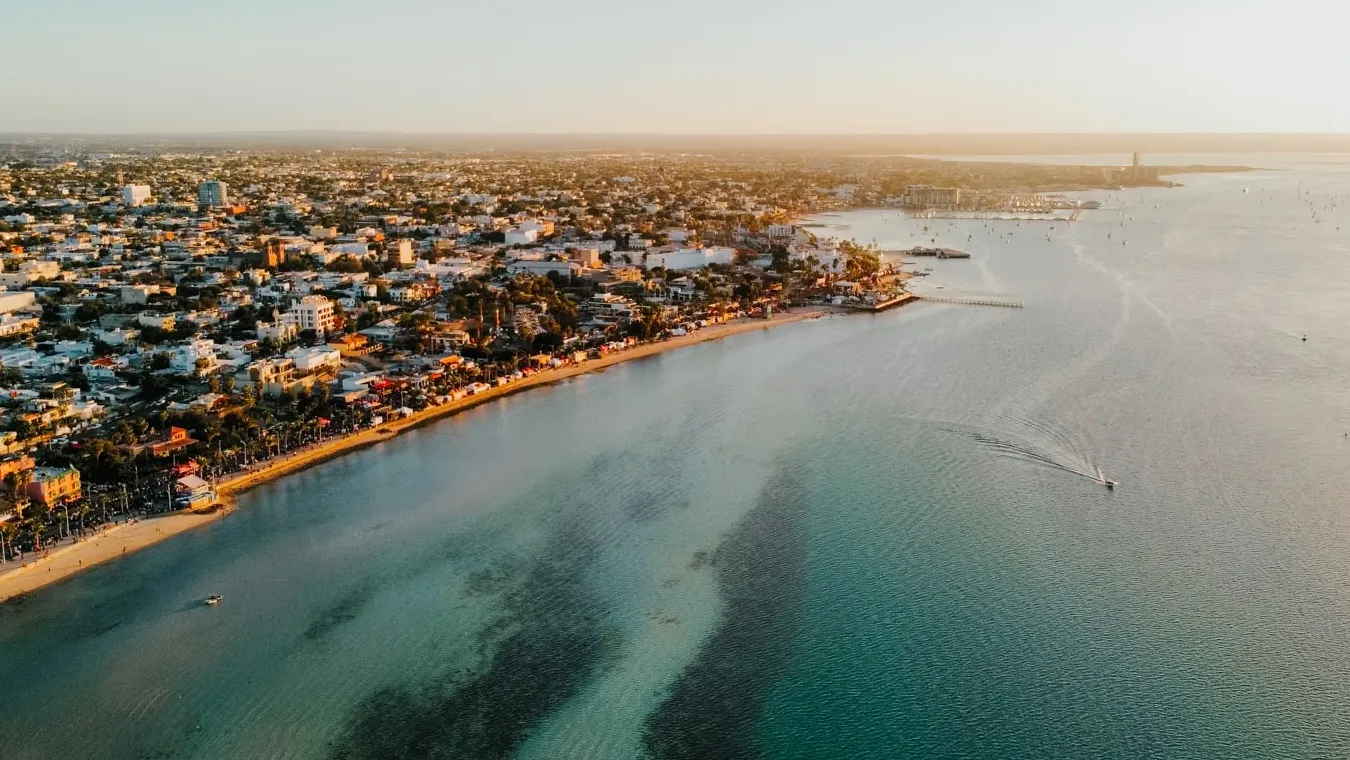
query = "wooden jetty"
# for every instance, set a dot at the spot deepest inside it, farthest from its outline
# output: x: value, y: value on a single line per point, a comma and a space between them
x: 973, y: 301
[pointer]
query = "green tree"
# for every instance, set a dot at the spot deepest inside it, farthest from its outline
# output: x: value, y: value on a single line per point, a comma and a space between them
x: 346, y: 264
x: 153, y: 386
x: 21, y: 427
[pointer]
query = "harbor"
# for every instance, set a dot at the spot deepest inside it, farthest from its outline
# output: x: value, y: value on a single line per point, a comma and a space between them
x: 940, y: 253
x: 1011, y: 215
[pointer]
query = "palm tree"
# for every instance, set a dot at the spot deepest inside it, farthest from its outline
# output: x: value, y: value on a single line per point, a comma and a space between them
x: 16, y: 484
x: 8, y: 530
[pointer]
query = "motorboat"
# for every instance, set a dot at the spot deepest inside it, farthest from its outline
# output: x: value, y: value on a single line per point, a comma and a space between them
x: 214, y: 599
x: 1109, y: 483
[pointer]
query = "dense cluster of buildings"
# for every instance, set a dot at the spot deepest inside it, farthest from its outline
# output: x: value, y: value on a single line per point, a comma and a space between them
x: 140, y: 291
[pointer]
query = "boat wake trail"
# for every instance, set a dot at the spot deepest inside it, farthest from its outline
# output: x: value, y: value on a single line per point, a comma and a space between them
x: 1028, y: 454
x: 1059, y: 452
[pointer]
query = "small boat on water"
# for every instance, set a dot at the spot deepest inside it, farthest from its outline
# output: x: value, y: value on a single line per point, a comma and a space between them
x: 214, y: 599
x: 1109, y: 483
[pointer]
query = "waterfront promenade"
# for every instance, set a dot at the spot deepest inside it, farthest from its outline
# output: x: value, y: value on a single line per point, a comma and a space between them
x: 116, y: 541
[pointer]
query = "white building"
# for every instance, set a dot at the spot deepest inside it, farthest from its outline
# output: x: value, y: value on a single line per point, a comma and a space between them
x: 155, y: 319
x: 608, y: 307
x: 116, y: 337
x: 185, y: 358
x: 315, y: 313
x: 29, y: 272
x: 691, y: 258
x: 135, y: 195
x: 103, y: 369
x: 279, y: 332
x: 543, y: 229
x: 521, y: 237
x: 410, y: 293
x: 541, y: 268
x: 18, y: 358
x: 74, y: 348
x: 385, y: 331
x: 358, y: 250
x: 137, y: 294
x: 452, y: 270
x: 12, y: 325
x: 10, y: 302
x: 213, y: 193
x: 315, y: 359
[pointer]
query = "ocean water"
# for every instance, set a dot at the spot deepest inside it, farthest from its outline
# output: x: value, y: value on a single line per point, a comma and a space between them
x: 855, y: 537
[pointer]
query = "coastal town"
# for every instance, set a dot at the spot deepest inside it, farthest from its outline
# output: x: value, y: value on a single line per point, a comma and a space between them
x: 177, y: 326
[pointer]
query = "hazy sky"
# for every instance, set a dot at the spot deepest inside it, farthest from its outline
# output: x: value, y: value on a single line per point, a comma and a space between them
x: 717, y: 66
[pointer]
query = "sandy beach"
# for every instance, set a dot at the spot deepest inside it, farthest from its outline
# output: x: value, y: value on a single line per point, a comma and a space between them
x: 109, y: 543
x: 122, y: 539
x: 308, y: 457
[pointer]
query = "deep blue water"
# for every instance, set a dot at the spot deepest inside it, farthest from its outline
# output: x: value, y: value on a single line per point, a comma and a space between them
x: 854, y: 537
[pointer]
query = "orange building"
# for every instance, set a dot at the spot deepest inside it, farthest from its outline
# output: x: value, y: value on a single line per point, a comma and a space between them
x: 274, y: 253
x: 175, y: 440
x: 53, y: 485
x: 15, y: 464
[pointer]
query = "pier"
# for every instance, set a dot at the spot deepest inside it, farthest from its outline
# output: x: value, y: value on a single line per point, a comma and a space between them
x: 889, y: 303
x: 974, y: 301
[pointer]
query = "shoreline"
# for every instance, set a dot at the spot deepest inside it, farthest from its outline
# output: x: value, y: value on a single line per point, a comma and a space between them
x: 134, y: 535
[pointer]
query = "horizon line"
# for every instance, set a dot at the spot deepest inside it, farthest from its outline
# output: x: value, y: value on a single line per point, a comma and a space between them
x: 303, y: 130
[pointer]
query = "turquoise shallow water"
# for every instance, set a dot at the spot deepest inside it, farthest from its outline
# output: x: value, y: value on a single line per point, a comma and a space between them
x: 854, y: 537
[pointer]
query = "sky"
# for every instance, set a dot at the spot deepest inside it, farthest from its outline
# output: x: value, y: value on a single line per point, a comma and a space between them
x: 690, y: 67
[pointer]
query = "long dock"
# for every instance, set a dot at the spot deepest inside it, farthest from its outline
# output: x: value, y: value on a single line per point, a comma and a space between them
x: 973, y: 301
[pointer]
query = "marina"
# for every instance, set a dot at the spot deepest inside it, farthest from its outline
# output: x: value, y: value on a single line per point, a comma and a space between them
x: 940, y: 253
x: 1004, y: 216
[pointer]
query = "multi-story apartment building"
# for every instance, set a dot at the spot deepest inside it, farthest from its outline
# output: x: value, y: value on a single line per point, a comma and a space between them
x: 213, y: 193
x: 315, y: 313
